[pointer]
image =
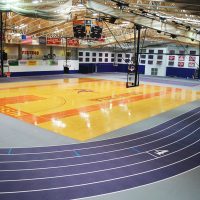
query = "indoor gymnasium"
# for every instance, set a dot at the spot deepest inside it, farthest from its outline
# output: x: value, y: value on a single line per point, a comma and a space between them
x: 99, y: 99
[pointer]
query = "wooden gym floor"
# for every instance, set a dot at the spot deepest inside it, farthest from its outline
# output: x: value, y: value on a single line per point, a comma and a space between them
x: 85, y: 108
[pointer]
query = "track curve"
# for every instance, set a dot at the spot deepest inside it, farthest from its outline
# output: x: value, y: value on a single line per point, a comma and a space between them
x: 94, y: 168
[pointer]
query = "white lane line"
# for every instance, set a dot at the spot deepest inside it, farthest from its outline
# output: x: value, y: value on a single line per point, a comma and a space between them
x: 108, y: 180
x: 139, y: 186
x: 51, y: 152
x: 106, y: 152
x: 153, y: 155
x: 102, y: 170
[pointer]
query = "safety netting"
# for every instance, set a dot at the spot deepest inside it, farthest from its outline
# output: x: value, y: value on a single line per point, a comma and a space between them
x: 46, y: 9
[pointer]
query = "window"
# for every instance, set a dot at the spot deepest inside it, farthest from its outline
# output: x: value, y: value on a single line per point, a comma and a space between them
x: 150, y: 62
x: 171, y: 63
x: 100, y: 55
x: 87, y: 59
x: 143, y: 61
x: 112, y: 60
x: 182, y: 52
x: 127, y: 60
x: 94, y: 54
x: 106, y: 59
x: 160, y: 51
x: 151, y: 51
x: 87, y: 54
x: 154, y: 71
x: 143, y: 51
x: 159, y: 62
x: 172, y: 52
x: 143, y: 56
x: 106, y: 54
x: 159, y: 57
x: 81, y: 59
x: 119, y: 60
x: 120, y: 55
x: 112, y: 55
x: 100, y: 59
x: 80, y: 53
x: 93, y: 59
x: 150, y: 56
x: 127, y: 55
x: 192, y: 52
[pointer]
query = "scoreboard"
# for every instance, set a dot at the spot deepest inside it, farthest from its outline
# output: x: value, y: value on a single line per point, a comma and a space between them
x: 88, y: 29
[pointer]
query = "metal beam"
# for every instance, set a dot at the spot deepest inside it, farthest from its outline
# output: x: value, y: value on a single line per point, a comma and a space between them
x: 1, y: 42
x: 169, y: 28
x: 188, y: 2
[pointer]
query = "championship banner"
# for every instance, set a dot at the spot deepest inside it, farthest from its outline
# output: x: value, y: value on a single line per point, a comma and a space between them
x: 192, y: 58
x: 42, y: 40
x: 13, y: 62
x: 30, y: 52
x: 73, y: 42
x: 181, y: 58
x: 180, y: 64
x: 54, y: 41
x: 171, y: 57
x: 32, y: 62
x: 191, y: 64
x: 53, y: 62
x: 22, y: 62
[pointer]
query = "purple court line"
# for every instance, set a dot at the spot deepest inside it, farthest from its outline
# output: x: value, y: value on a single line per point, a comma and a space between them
x: 112, y: 144
x: 117, y: 150
x: 132, y: 164
x: 171, y: 121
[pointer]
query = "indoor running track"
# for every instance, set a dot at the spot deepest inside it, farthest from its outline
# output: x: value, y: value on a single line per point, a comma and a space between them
x: 95, y: 168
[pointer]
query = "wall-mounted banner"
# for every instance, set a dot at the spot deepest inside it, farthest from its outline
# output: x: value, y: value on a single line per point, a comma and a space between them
x: 54, y: 41
x: 30, y: 52
x: 191, y: 64
x: 180, y: 64
x: 42, y: 40
x: 32, y: 62
x: 181, y: 58
x: 73, y: 42
x: 192, y: 58
x: 13, y: 62
x: 53, y: 62
x: 171, y: 57
x: 23, y: 62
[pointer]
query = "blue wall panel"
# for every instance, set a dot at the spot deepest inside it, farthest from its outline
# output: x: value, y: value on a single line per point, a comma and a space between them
x: 106, y: 67
x: 141, y: 69
x: 73, y: 71
x: 35, y: 73
x: 180, y: 72
x: 122, y: 68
